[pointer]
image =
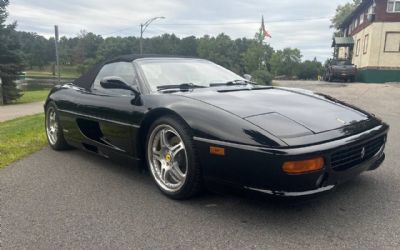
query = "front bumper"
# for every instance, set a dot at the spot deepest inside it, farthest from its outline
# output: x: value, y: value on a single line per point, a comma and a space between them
x: 344, y: 75
x: 330, y: 182
x: 260, y: 169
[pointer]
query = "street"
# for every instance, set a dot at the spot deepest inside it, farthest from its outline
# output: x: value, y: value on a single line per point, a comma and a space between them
x: 73, y: 199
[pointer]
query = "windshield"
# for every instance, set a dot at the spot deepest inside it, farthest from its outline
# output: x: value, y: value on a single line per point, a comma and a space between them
x: 172, y: 71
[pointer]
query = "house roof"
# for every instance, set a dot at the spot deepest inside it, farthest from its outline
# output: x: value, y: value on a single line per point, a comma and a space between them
x: 361, y: 6
x: 342, y: 41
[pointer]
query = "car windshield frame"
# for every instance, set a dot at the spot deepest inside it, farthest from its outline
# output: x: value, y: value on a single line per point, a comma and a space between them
x: 152, y: 86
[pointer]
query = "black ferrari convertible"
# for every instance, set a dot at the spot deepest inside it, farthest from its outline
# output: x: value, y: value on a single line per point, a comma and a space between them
x: 193, y: 122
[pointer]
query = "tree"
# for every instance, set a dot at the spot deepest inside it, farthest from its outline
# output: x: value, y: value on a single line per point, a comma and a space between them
x: 310, y: 70
x: 188, y: 46
x: 10, y: 58
x: 116, y: 46
x: 257, y: 56
x: 221, y: 50
x: 342, y: 12
x: 285, y: 62
x: 37, y: 50
x: 241, y: 55
x: 164, y: 44
x: 261, y: 76
x: 86, y: 47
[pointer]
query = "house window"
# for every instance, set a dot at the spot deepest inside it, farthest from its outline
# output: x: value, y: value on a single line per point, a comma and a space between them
x: 393, y: 6
x: 358, y: 47
x: 361, y: 18
x: 392, y: 42
x: 366, y: 40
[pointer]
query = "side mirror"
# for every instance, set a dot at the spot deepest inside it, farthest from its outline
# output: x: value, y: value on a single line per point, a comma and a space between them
x: 115, y: 82
x: 247, y: 77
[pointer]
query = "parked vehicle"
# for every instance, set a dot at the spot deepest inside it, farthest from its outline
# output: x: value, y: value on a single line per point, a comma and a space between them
x: 193, y: 122
x: 340, y: 70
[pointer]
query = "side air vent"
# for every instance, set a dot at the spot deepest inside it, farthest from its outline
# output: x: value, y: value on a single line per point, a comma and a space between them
x: 90, y: 129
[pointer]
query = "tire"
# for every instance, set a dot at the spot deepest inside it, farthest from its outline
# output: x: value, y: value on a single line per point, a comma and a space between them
x: 53, y: 129
x: 172, y: 161
x: 330, y: 79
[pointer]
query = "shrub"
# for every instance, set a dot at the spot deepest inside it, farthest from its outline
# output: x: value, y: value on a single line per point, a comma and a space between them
x: 262, y: 76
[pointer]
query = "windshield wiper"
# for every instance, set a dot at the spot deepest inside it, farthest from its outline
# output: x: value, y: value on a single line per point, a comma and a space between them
x: 182, y: 86
x: 232, y: 83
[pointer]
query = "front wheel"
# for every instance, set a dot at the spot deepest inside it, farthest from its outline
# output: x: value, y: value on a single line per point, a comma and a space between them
x: 171, y: 158
x: 330, y: 78
x: 54, y: 132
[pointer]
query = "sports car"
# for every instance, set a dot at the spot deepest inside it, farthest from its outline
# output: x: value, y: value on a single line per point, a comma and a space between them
x: 193, y: 122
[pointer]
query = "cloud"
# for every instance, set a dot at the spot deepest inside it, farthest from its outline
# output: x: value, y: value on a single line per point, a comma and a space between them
x: 301, y: 24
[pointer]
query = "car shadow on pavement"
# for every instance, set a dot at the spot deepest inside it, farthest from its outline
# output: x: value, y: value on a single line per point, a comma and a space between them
x: 360, y: 194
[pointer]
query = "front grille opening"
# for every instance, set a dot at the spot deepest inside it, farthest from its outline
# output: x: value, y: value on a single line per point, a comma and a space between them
x: 354, y: 155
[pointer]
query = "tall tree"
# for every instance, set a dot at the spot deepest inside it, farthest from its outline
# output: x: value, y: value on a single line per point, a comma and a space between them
x: 10, y: 59
x: 220, y: 49
x: 86, y: 47
x: 257, y: 56
x: 37, y: 50
x: 310, y: 70
x: 188, y: 46
x: 342, y: 12
x: 115, y: 46
x: 286, y: 62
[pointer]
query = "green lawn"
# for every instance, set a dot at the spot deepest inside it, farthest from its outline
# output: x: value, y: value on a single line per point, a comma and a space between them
x: 47, y: 72
x: 33, y: 96
x: 21, y: 137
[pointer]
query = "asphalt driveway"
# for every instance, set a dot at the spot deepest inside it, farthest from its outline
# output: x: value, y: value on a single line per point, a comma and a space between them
x: 73, y: 199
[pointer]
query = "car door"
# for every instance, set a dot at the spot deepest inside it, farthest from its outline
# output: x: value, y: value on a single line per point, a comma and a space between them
x: 111, y: 117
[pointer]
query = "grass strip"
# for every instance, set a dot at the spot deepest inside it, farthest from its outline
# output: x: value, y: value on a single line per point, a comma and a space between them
x: 21, y: 137
x: 33, y: 96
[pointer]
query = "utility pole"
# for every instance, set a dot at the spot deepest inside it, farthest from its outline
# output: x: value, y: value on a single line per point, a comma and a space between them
x: 143, y: 27
x: 57, y: 53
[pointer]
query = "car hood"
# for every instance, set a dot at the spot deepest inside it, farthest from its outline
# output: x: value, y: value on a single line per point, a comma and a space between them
x: 281, y: 111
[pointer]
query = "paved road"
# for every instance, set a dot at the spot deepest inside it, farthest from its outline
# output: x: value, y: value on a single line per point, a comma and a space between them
x: 72, y: 199
x: 9, y: 112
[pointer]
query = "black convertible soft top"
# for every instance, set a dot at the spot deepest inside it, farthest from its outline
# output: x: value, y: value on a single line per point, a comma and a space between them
x: 85, y: 81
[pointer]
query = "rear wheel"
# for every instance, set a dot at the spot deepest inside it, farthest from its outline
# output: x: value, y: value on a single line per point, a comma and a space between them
x: 171, y: 158
x: 54, y: 132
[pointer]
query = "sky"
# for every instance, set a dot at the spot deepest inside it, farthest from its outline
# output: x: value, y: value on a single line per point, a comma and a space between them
x: 297, y: 24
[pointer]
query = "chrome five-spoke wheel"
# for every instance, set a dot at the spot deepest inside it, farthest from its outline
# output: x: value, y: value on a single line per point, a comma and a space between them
x: 52, y: 126
x: 167, y: 158
x: 54, y: 131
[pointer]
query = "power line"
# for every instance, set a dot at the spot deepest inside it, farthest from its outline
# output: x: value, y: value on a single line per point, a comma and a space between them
x: 117, y: 31
x: 246, y: 22
x: 224, y: 23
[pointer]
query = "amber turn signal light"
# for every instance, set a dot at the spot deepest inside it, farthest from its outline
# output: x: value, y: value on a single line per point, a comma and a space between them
x: 217, y: 151
x: 304, y: 166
